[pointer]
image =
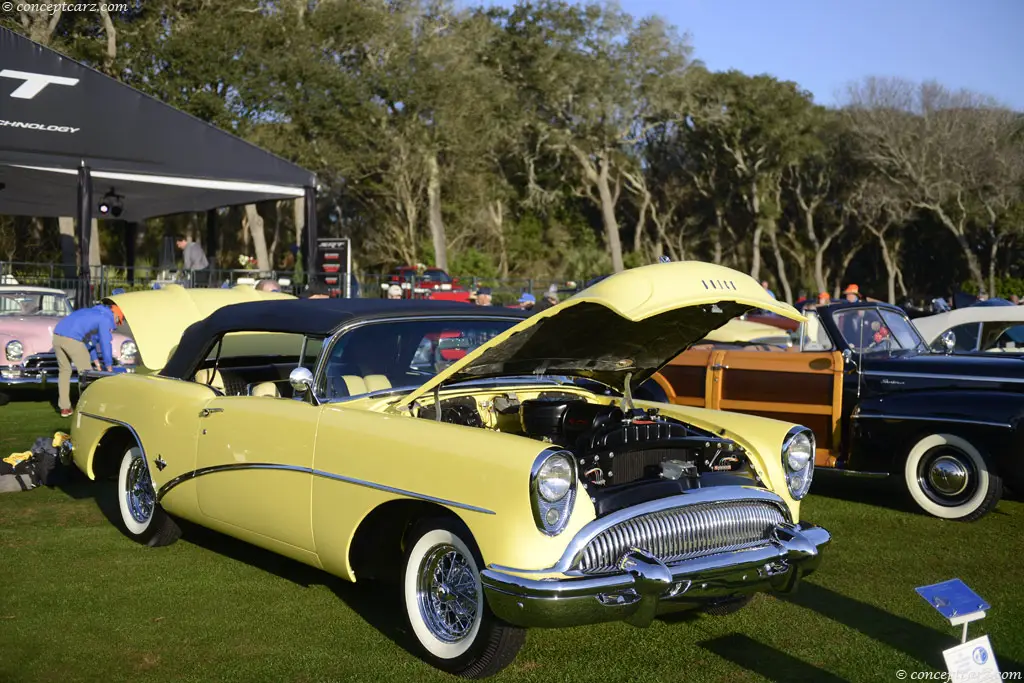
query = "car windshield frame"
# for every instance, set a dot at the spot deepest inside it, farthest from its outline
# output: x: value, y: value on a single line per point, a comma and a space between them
x: 895, y: 332
x: 21, y: 297
x: 416, y: 375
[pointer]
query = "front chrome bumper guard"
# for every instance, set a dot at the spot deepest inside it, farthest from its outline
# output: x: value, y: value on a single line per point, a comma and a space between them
x: 40, y: 379
x: 44, y: 378
x: 646, y: 587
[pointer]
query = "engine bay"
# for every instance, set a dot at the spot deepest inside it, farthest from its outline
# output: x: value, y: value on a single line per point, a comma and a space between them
x: 623, y: 456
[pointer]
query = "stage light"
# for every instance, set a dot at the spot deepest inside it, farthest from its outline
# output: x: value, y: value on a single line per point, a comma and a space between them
x: 111, y: 204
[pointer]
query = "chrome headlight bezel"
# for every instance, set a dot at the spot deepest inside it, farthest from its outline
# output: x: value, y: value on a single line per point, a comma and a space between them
x: 798, y: 477
x: 128, y: 357
x: 551, y: 516
x: 14, y: 350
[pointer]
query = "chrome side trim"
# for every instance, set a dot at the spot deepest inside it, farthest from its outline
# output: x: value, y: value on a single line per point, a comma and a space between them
x: 213, y: 469
x: 887, y: 416
x: 590, y: 531
x: 968, y: 378
x: 135, y: 434
x: 850, y: 473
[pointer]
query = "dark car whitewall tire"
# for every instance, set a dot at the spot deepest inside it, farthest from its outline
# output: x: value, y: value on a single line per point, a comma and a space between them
x: 951, y: 478
x: 141, y: 516
x: 445, y: 606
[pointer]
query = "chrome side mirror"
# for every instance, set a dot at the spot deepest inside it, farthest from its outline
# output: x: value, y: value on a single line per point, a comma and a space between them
x: 301, y: 380
x: 948, y: 340
x: 847, y: 355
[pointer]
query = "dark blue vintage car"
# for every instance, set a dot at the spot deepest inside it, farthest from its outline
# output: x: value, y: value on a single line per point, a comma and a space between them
x: 880, y: 401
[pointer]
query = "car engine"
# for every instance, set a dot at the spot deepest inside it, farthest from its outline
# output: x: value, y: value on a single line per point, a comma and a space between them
x: 624, y: 457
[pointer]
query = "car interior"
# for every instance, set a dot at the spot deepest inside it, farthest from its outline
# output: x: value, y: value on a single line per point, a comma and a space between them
x: 369, y: 358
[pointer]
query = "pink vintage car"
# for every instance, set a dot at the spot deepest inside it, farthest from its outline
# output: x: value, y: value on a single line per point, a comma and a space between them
x: 27, y: 318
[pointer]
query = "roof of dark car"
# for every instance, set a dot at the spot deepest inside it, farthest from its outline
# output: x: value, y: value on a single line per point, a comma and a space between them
x: 313, y: 317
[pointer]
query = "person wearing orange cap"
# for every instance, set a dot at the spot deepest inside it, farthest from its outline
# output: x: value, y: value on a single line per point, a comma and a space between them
x: 824, y: 298
x: 851, y: 293
x: 69, y: 344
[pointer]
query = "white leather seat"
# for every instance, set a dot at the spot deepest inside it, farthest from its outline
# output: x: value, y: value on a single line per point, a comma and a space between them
x: 357, y: 386
x: 376, y: 382
x: 266, y: 389
x: 203, y: 377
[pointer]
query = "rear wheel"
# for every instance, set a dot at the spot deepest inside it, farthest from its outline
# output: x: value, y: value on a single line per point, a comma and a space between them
x: 141, y: 516
x: 951, y: 478
x: 445, y: 606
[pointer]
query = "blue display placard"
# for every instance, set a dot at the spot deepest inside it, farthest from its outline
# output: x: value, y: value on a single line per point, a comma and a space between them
x: 953, y: 598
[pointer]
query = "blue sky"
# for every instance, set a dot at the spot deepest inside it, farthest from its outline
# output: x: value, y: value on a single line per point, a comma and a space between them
x: 825, y: 44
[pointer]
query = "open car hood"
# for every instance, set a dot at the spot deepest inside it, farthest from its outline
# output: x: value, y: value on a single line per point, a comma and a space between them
x: 627, y: 325
x: 158, y: 318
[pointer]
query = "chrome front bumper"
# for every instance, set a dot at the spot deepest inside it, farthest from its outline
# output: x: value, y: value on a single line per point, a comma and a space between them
x: 15, y: 378
x: 646, y: 587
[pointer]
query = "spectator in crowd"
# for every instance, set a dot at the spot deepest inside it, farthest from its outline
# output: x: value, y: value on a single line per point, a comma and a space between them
x: 764, y: 283
x: 801, y: 300
x: 315, y: 290
x: 196, y: 263
x: 549, y: 300
x: 394, y: 292
x: 268, y: 285
x: 69, y: 344
x: 527, y: 301
x: 483, y: 296
x: 851, y: 293
x: 824, y: 298
x: 1015, y: 300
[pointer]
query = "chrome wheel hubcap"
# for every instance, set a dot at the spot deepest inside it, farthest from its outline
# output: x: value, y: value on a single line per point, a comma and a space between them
x: 447, y: 593
x: 139, y: 491
x: 948, y: 476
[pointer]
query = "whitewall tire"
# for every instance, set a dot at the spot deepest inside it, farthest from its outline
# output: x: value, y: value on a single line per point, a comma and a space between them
x: 445, y: 606
x: 142, y: 518
x: 951, y: 478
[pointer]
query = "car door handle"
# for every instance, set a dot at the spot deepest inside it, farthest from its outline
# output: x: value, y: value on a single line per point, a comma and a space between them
x: 719, y: 366
x: 206, y: 412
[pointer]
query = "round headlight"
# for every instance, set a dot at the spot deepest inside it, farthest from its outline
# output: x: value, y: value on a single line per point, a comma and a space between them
x: 554, y: 478
x: 798, y: 462
x: 800, y: 452
x: 14, y: 350
x: 128, y: 351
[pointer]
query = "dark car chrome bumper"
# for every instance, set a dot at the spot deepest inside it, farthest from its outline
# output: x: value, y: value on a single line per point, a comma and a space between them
x: 16, y: 377
x: 647, y: 587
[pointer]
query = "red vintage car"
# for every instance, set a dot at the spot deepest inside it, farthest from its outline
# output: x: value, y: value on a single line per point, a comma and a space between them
x: 416, y: 285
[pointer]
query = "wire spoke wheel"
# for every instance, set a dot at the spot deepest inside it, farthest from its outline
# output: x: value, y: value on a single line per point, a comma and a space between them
x: 139, y: 494
x: 447, y: 594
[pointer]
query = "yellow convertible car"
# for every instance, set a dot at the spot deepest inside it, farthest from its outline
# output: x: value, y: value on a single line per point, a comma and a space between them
x: 495, y: 465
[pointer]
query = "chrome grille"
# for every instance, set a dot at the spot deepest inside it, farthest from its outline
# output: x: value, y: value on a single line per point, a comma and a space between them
x: 41, y: 362
x: 683, y: 533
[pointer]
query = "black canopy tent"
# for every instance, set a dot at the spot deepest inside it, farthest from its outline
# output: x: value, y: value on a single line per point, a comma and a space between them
x: 70, y: 134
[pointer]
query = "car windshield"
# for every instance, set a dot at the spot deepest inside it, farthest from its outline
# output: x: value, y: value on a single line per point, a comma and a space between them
x: 34, y: 303
x: 406, y: 354
x: 436, y: 276
x: 873, y: 330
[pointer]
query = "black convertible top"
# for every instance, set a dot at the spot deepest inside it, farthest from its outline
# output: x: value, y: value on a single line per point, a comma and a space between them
x: 313, y: 317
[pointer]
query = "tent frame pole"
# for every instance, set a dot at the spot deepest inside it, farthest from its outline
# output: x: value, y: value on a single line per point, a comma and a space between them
x: 310, y: 252
x: 84, y: 224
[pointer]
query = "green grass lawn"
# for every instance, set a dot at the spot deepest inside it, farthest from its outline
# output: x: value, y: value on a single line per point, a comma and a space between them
x: 81, y: 602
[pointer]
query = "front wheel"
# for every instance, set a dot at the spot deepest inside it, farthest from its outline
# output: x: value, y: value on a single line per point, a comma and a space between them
x: 141, y: 516
x: 445, y: 607
x: 949, y: 477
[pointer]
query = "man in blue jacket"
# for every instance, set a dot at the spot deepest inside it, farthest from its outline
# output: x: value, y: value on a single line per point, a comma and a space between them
x: 69, y: 343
